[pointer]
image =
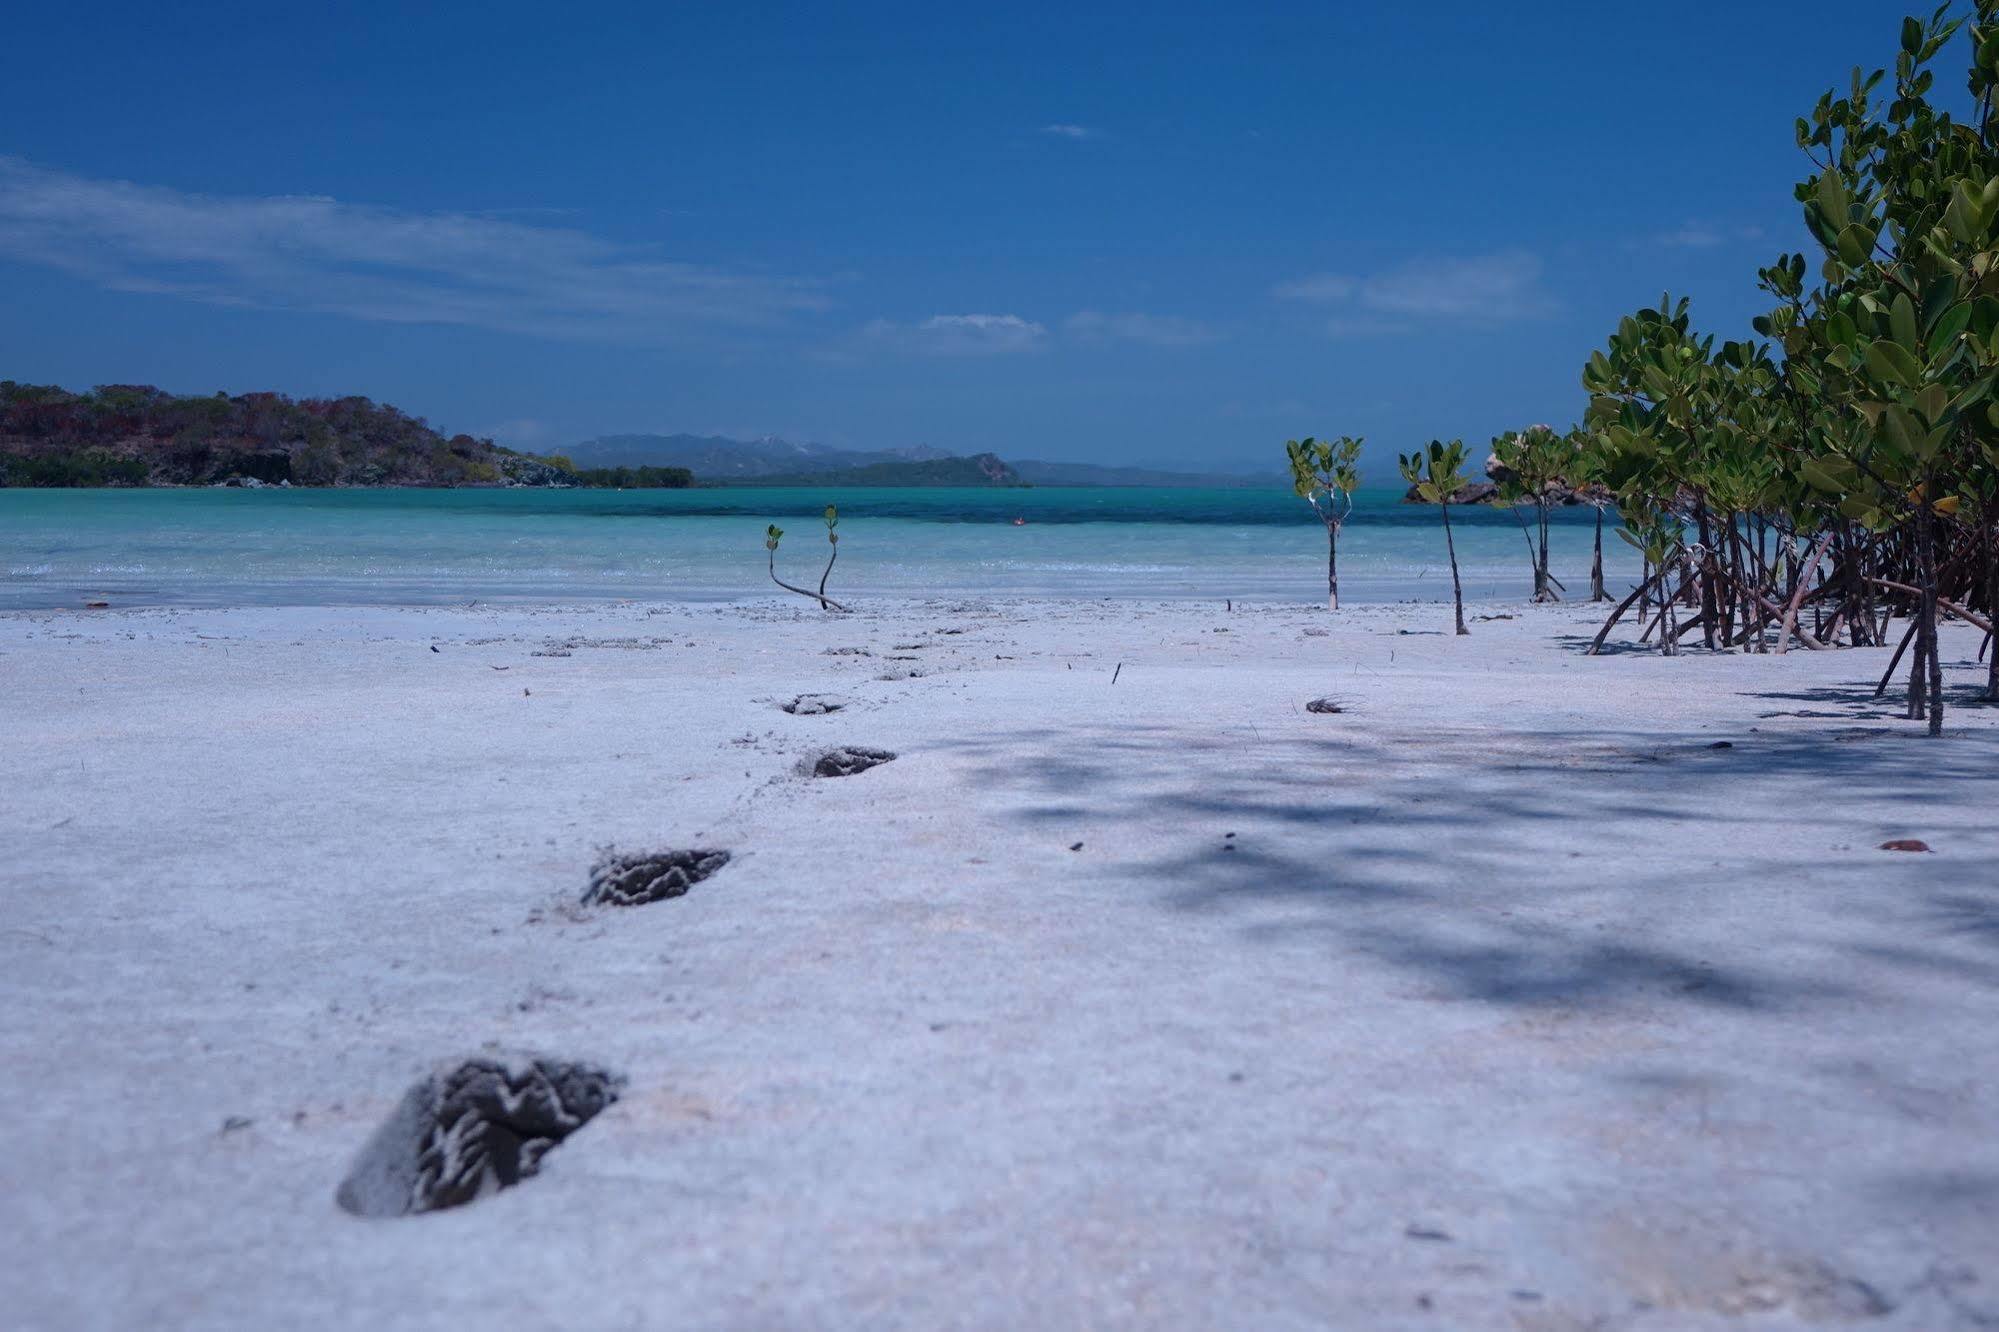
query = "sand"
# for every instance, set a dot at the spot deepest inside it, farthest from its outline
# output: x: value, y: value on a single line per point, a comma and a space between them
x: 1130, y: 993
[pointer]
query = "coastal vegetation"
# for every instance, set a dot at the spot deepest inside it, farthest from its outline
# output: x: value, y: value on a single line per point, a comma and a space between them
x: 1530, y: 467
x: 1437, y: 475
x: 774, y: 534
x: 137, y: 435
x: 832, y: 539
x: 718, y: 460
x: 1325, y: 474
x: 1840, y: 468
x: 1849, y: 465
x: 626, y: 478
x: 981, y: 469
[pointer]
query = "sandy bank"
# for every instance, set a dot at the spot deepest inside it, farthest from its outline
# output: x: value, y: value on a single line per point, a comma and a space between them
x: 1501, y: 997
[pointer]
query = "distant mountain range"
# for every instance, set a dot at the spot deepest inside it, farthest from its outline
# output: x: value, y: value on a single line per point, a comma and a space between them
x: 719, y: 460
x: 1039, y: 473
x: 714, y: 458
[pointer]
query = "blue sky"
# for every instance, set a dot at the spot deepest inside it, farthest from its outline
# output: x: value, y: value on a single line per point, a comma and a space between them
x: 1173, y: 234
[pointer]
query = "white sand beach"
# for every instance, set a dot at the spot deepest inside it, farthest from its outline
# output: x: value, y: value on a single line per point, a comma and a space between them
x: 1528, y: 990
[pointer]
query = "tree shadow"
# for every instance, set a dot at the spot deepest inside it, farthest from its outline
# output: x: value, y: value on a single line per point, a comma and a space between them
x: 1537, y: 869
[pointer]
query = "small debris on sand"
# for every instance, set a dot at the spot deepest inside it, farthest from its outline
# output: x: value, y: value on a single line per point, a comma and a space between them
x: 847, y: 761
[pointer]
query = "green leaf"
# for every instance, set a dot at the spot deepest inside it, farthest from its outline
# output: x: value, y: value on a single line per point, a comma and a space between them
x: 1961, y: 216
x: 1912, y: 35
x: 1832, y: 199
x: 1944, y: 336
x: 1902, y: 323
x: 1890, y: 364
x: 1901, y: 429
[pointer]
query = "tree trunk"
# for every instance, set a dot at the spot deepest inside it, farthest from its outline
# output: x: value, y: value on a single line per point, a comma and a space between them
x: 1926, y: 556
x: 1992, y: 609
x: 1332, y: 567
x: 1540, y: 586
x: 1667, y: 638
x: 825, y: 602
x: 1541, y: 569
x: 1799, y: 583
x: 1638, y: 597
x: 829, y: 572
x: 1707, y: 588
x: 1457, y: 591
x: 1596, y: 592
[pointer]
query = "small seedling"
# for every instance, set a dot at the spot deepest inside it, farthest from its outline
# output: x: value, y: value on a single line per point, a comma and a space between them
x: 774, y: 534
x: 1324, y: 474
x: 1437, y: 475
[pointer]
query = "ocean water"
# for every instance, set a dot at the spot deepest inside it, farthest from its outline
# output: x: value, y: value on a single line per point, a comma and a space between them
x: 293, y: 546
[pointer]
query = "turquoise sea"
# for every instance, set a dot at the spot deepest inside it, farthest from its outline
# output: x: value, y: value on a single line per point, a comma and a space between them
x: 295, y: 546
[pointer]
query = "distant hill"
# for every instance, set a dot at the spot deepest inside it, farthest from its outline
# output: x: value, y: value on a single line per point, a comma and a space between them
x: 981, y: 469
x: 1039, y: 473
x: 719, y: 460
x: 137, y: 435
x: 716, y: 458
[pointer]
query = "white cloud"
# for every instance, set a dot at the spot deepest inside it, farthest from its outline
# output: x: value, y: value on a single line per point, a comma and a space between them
x: 1072, y: 131
x: 958, y: 335
x: 1152, y: 330
x: 1491, y: 289
x: 310, y: 253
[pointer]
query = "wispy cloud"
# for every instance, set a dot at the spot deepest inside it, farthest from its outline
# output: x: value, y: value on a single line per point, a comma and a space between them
x: 319, y: 254
x: 1317, y: 289
x: 957, y: 335
x: 1345, y: 326
x: 1705, y: 236
x: 1153, y: 330
x: 1490, y: 289
x: 1072, y: 131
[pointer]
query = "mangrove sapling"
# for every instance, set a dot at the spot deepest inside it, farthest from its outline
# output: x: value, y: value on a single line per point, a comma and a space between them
x: 1437, y: 475
x: 833, y: 538
x: 1589, y: 489
x: 1531, y: 463
x: 1656, y: 535
x: 1324, y: 474
x: 774, y: 534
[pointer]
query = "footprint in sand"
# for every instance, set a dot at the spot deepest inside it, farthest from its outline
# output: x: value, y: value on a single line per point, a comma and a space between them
x: 814, y: 705
x: 472, y: 1129
x: 846, y: 761
x: 633, y: 878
